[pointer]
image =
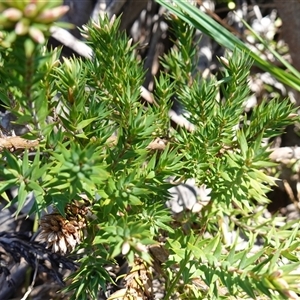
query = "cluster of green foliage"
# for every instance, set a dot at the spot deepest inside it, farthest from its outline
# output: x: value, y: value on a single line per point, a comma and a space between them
x: 198, y: 19
x: 74, y: 106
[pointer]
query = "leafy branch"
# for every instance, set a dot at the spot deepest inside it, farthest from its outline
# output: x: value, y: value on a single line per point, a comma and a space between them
x: 96, y: 164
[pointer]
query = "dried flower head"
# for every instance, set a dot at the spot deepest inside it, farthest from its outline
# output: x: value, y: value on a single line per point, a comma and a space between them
x: 138, y: 283
x: 63, y: 233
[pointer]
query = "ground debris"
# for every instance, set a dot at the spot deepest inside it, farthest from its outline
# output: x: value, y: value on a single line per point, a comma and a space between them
x: 19, y: 246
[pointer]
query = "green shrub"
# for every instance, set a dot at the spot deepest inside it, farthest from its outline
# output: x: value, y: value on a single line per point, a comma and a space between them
x: 95, y: 163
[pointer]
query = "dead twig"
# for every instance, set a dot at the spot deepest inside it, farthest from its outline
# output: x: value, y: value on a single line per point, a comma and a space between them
x: 68, y: 40
x: 13, y: 143
x: 290, y: 193
x: 30, y: 288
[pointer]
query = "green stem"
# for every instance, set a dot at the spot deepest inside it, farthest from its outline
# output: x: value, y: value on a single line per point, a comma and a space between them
x: 180, y: 271
x: 176, y: 279
x: 30, y: 71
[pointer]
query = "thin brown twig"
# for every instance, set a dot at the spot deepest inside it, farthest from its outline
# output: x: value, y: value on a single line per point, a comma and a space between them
x: 290, y: 193
x: 30, y: 288
x: 12, y: 143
